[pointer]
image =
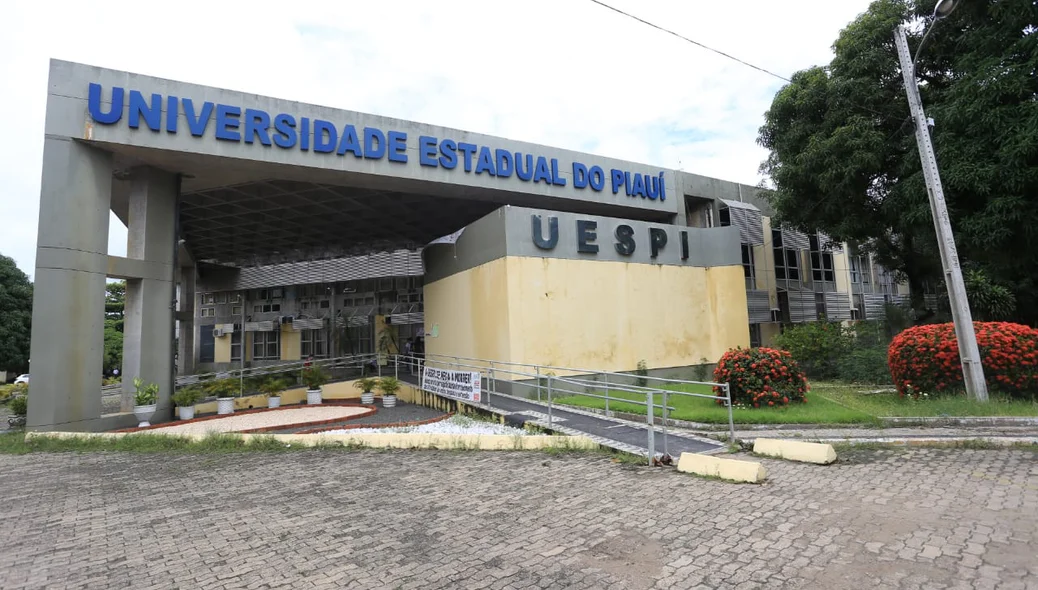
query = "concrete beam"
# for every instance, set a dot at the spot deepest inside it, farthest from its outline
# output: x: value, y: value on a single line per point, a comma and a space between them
x: 794, y: 450
x: 727, y: 469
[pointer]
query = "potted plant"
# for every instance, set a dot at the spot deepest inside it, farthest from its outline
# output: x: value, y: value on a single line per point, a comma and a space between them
x: 272, y: 388
x: 186, y: 399
x: 314, y: 377
x: 224, y: 390
x: 388, y: 386
x: 145, y: 400
x: 366, y: 385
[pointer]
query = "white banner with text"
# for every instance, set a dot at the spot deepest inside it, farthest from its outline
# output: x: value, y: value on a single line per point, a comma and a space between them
x: 463, y: 385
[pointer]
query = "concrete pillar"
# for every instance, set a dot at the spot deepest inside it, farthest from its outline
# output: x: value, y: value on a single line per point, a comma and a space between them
x: 69, y: 287
x: 148, y: 326
x: 186, y: 360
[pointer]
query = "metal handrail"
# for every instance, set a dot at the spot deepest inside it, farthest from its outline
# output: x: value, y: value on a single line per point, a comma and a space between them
x: 496, y: 367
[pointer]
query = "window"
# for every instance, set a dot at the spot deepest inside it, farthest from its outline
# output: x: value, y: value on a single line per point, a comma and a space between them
x: 266, y: 308
x: 277, y: 293
x: 236, y: 310
x: 755, y: 335
x: 312, y: 343
x: 747, y: 265
x: 786, y: 259
x: 221, y: 297
x: 324, y: 304
x: 209, y: 312
x: 208, y: 298
x: 725, y: 217
x: 821, y: 262
x: 206, y: 346
x: 266, y: 346
x: 819, y: 306
x: 236, y: 344
x: 860, y: 270
x: 236, y: 298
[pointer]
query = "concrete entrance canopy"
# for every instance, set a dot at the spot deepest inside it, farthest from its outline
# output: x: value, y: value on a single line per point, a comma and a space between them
x: 267, y: 180
x: 202, y: 174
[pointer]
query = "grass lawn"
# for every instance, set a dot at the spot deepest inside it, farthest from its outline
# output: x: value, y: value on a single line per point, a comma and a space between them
x: 696, y: 409
x: 890, y: 404
x: 828, y: 403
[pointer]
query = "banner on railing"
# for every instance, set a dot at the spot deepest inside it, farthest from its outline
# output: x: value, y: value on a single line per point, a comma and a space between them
x: 463, y: 385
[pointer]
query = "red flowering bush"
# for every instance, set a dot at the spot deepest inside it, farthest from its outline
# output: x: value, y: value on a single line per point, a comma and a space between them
x: 761, y: 377
x: 925, y: 359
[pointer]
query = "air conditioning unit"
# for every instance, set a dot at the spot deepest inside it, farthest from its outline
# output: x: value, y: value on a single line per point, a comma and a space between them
x: 217, y: 332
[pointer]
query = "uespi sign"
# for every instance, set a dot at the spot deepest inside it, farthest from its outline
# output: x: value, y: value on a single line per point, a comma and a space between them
x: 463, y: 385
x: 233, y: 123
x: 625, y: 241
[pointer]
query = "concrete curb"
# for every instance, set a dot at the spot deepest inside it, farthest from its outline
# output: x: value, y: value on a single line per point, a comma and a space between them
x: 727, y: 469
x: 483, y: 442
x: 794, y: 450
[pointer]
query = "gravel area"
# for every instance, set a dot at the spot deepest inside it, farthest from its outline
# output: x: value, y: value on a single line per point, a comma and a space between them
x: 239, y: 422
x: 452, y: 425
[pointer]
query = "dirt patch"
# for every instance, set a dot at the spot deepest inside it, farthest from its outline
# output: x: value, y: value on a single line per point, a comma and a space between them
x: 630, y: 556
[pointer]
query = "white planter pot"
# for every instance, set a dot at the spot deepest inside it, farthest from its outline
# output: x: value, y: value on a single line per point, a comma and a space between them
x: 274, y: 401
x: 367, y: 398
x: 389, y: 401
x: 313, y: 396
x: 225, y: 405
x: 144, y: 414
x: 186, y: 412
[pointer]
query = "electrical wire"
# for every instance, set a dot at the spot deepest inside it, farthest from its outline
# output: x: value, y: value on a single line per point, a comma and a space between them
x: 697, y: 43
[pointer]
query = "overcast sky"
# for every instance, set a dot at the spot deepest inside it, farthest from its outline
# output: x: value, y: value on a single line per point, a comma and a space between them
x: 564, y: 73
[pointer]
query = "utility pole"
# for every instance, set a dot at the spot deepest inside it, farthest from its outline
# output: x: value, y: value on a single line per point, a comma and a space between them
x: 969, y: 353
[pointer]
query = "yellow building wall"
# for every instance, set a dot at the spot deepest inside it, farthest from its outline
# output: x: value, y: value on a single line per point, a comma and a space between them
x: 222, y: 349
x: 290, y: 343
x: 466, y: 314
x: 609, y: 315
x: 587, y: 314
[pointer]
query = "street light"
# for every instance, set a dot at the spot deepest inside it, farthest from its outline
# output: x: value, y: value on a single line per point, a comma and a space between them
x: 969, y: 352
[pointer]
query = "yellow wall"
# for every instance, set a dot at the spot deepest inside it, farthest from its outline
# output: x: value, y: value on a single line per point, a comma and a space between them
x: 469, y: 312
x: 587, y: 314
x: 222, y: 349
x: 290, y: 343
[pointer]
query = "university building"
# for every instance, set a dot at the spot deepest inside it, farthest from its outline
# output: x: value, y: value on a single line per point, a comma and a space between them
x: 263, y: 230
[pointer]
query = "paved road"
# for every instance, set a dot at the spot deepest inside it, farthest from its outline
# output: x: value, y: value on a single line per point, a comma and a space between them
x: 436, y: 519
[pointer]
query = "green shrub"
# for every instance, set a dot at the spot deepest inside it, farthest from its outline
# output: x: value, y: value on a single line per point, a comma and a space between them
x: 388, y: 385
x: 816, y: 346
x: 702, y: 370
x: 8, y: 392
x: 314, y: 377
x: 366, y: 384
x: 642, y: 371
x: 865, y: 365
x: 188, y: 396
x: 226, y: 387
x: 145, y: 394
x: 19, y: 405
x: 925, y: 359
x: 761, y: 377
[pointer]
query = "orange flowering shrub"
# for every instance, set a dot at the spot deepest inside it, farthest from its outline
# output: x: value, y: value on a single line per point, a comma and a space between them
x: 761, y: 377
x: 925, y: 359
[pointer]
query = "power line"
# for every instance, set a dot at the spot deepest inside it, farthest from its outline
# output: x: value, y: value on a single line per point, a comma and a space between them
x: 697, y: 43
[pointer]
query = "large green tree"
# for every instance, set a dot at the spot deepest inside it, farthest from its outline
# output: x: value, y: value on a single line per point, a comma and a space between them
x: 115, y: 305
x: 843, y: 156
x: 15, y: 316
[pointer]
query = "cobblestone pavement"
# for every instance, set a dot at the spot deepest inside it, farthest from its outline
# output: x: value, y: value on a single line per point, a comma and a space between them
x: 911, y: 518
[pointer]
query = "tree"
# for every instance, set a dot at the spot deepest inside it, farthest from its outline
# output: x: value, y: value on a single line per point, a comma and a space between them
x: 843, y: 157
x: 15, y: 316
x: 115, y: 306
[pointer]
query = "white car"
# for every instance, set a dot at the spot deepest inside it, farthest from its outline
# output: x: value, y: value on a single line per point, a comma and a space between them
x: 22, y: 379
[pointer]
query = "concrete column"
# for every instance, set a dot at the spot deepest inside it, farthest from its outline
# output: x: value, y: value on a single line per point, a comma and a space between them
x: 148, y: 327
x: 186, y: 316
x: 69, y: 287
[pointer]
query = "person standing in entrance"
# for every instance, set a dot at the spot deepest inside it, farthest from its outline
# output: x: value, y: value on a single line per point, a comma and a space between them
x: 408, y: 347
